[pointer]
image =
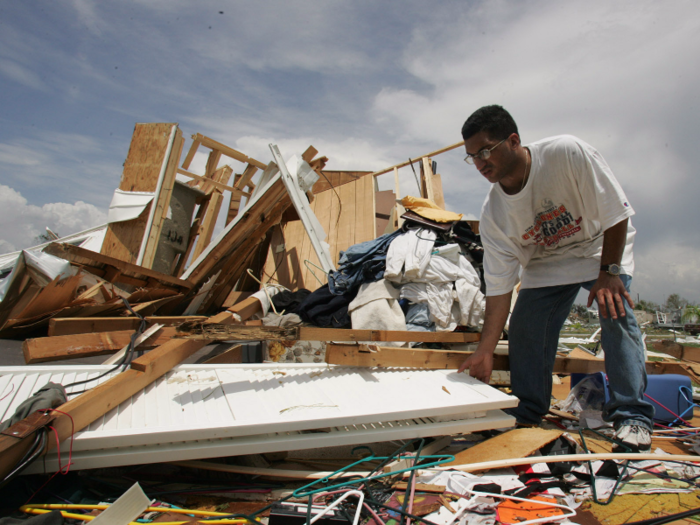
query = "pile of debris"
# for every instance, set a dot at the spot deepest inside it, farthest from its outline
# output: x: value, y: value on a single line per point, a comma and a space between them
x: 324, y: 313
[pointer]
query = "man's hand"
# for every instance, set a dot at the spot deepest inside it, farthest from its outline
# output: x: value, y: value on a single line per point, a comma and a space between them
x: 609, y: 291
x: 480, y: 365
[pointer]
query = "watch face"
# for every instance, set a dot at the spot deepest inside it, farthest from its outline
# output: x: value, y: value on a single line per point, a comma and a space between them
x: 614, y: 269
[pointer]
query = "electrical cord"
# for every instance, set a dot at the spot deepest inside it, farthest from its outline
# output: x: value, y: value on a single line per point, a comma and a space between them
x: 125, y: 361
x: 35, y: 450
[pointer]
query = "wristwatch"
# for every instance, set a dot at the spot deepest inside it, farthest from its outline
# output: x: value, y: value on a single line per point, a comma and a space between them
x: 612, y: 269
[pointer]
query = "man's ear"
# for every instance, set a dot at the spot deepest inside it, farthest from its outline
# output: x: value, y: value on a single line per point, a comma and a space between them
x: 514, y: 140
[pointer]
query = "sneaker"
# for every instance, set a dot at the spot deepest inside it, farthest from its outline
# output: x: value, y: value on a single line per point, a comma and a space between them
x: 633, y: 438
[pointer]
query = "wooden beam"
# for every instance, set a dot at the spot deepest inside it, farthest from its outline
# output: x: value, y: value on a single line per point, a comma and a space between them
x: 229, y: 152
x: 687, y: 353
x: 42, y: 349
x: 190, y: 154
x: 309, y: 154
x: 260, y: 218
x: 196, y: 330
x: 83, y: 257
x: 89, y: 325
x: 162, y: 202
x: 416, y: 159
x: 218, y: 185
x: 397, y: 189
x: 246, y: 308
x: 206, y: 229
x: 361, y: 355
x: 387, y: 357
x: 427, y: 178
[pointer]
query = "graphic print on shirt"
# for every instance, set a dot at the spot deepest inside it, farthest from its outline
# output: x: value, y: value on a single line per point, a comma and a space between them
x: 551, y: 225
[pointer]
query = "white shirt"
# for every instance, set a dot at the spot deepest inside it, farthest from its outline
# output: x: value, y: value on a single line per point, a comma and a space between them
x: 553, y: 228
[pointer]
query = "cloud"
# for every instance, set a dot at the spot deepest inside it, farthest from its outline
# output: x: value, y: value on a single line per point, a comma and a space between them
x: 367, y: 83
x: 47, y: 164
x: 24, y: 222
x: 21, y: 74
x: 667, y: 267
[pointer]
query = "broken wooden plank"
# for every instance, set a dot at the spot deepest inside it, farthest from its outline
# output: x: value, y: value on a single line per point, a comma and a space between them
x: 161, y: 205
x: 516, y: 443
x: 679, y: 351
x: 388, y: 356
x: 220, y: 332
x: 226, y: 150
x: 238, y: 232
x: 92, y: 260
x: 190, y: 154
x: 118, y: 356
x: 215, y: 332
x: 427, y: 179
x: 84, y: 325
x: 218, y: 185
x: 416, y: 159
x: 42, y: 349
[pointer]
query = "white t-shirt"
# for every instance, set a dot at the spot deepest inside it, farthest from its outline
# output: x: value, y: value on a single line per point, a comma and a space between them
x: 553, y: 228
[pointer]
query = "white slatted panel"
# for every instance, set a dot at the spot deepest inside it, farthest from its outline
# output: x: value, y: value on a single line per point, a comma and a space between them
x: 274, y: 442
x: 196, y: 403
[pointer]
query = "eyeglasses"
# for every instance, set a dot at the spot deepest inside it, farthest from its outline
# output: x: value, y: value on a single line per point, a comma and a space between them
x: 483, y: 154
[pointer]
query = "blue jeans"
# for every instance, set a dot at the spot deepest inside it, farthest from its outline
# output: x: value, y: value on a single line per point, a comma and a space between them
x: 535, y: 323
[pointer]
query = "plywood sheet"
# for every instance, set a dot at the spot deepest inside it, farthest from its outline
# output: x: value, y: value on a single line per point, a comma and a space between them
x: 142, y: 167
x: 517, y: 443
x: 346, y: 213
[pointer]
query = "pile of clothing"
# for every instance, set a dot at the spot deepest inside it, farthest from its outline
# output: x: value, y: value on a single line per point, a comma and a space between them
x: 424, y: 277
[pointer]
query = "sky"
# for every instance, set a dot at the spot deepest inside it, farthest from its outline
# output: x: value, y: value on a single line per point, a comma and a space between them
x: 368, y: 83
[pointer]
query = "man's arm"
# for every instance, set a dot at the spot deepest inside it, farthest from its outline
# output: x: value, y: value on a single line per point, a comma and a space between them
x: 480, y: 363
x: 608, y: 289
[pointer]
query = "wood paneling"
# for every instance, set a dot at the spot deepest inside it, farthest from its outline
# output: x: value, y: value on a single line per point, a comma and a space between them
x: 147, y: 151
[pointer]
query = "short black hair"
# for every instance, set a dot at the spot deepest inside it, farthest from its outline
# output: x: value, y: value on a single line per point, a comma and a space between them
x: 495, y: 121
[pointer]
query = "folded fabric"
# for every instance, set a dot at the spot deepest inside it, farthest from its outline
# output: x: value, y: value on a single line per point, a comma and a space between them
x: 51, y: 395
x: 289, y: 301
x: 438, y: 297
x: 409, y: 255
x: 273, y: 319
x: 361, y: 263
x: 264, y: 295
x: 472, y: 303
x: 376, y: 307
x: 324, y: 309
x: 428, y: 209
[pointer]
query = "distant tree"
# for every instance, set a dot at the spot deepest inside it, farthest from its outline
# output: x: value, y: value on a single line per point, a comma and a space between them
x: 691, y: 314
x: 580, y: 310
x: 676, y: 302
x: 646, y: 306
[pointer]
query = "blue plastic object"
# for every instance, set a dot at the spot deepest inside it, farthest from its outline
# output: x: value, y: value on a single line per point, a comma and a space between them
x: 673, y: 391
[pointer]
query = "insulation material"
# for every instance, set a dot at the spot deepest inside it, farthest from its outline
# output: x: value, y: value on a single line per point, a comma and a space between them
x: 128, y: 205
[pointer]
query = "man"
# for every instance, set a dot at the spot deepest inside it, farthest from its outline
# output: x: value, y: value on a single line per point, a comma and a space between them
x: 556, y: 212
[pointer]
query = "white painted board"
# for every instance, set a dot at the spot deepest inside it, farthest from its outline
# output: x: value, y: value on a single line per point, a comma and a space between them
x: 227, y: 403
